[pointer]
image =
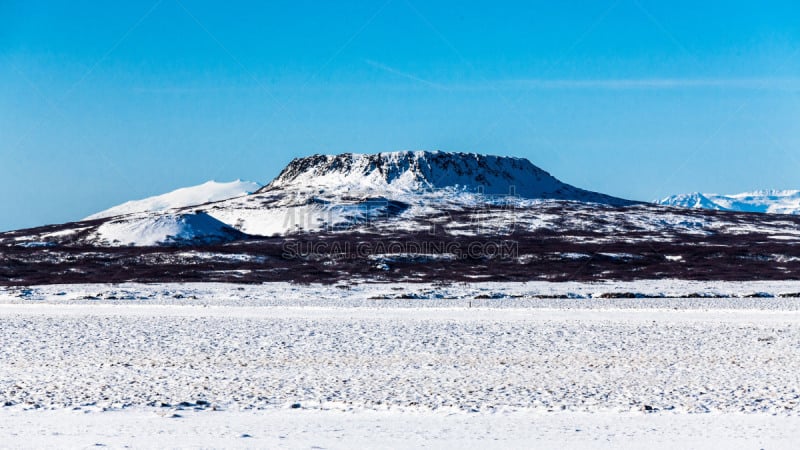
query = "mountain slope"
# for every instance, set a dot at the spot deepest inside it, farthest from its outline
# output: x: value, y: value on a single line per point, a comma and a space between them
x: 766, y: 201
x: 210, y: 191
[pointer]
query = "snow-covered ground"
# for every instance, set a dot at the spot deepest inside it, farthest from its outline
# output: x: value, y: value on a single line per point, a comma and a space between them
x: 752, y: 295
x: 334, y: 429
x: 400, y: 365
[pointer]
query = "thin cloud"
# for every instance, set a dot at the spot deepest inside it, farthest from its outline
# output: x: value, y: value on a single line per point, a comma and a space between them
x: 181, y: 90
x: 620, y: 84
x: 406, y: 75
x: 659, y: 83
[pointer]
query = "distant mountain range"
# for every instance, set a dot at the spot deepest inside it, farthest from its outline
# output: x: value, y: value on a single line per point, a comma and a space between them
x: 767, y: 201
x: 411, y: 215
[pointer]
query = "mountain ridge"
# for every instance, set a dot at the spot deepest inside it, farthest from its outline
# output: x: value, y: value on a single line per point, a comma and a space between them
x: 210, y: 191
x: 771, y: 201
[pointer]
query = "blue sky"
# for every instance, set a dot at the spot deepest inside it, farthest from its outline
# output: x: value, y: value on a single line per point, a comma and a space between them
x: 105, y: 102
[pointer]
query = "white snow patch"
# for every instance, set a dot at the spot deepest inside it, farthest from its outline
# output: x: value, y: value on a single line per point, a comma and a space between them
x: 146, y: 230
x: 63, y: 233
x: 573, y: 255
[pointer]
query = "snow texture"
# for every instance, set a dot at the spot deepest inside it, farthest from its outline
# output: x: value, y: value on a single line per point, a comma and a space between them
x: 302, y: 428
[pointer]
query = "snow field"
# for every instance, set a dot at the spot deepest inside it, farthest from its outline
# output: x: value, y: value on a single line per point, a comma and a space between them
x: 334, y: 429
x: 417, y: 359
x: 301, y: 366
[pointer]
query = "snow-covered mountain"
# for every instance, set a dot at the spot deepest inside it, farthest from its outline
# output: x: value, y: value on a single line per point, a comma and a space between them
x: 170, y: 229
x: 210, y: 191
x: 766, y: 201
x: 341, y: 191
x: 425, y: 171
x: 463, y: 194
x: 414, y: 216
x: 323, y: 192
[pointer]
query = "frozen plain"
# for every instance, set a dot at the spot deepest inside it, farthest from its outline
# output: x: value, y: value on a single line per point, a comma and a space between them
x: 401, y: 365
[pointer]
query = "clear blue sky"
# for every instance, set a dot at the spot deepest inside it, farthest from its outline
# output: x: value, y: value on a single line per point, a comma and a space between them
x: 102, y: 102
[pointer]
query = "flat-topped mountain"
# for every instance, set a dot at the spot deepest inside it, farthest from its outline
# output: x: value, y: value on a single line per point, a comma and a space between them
x: 423, y: 171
